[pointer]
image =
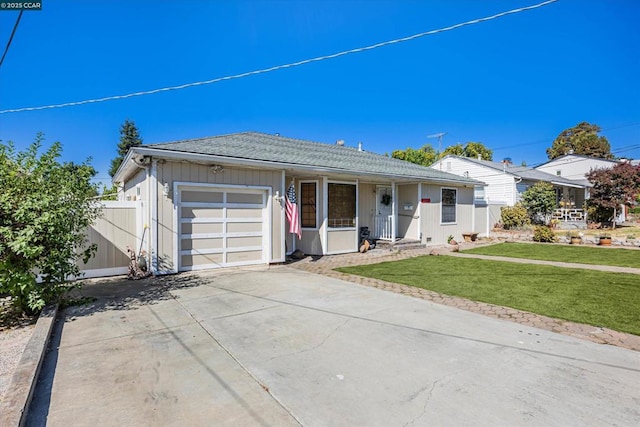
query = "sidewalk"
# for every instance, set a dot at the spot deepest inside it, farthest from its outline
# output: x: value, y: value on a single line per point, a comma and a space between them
x: 325, y: 265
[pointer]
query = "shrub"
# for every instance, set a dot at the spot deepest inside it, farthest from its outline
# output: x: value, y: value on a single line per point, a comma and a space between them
x: 540, y: 201
x: 514, y: 216
x: 45, y: 209
x: 543, y: 233
x: 598, y: 213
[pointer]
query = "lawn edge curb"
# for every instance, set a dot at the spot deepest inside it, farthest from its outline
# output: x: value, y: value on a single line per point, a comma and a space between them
x: 14, y: 407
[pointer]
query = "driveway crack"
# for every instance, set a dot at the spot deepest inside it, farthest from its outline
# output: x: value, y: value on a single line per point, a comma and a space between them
x: 320, y: 344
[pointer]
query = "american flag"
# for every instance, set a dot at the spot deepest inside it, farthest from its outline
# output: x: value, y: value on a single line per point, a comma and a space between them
x: 292, y: 211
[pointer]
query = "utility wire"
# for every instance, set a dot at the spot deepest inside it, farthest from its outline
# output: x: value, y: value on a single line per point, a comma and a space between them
x: 15, y: 27
x: 280, y: 67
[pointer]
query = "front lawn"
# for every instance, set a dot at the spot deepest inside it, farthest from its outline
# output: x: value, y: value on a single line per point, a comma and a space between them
x: 598, y: 298
x: 565, y: 253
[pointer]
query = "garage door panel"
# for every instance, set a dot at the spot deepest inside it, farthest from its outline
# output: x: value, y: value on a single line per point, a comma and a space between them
x: 201, y: 244
x: 244, y: 257
x: 245, y: 198
x: 244, y: 227
x: 201, y: 228
x: 202, y: 260
x: 189, y: 212
x: 238, y: 213
x: 202, y: 196
x: 244, y: 242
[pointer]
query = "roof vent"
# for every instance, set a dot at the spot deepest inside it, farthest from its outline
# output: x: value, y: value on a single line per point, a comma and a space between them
x: 340, y: 142
x: 359, y: 146
x: 507, y: 161
x: 479, y: 156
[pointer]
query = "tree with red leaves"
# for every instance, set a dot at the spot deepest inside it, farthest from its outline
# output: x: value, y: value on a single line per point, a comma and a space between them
x: 619, y: 185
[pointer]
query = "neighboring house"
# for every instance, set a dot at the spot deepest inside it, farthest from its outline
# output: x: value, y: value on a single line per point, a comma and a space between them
x: 575, y: 167
x: 219, y: 201
x: 506, y: 183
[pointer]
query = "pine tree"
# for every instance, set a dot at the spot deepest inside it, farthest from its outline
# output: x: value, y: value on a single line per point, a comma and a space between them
x: 129, y: 137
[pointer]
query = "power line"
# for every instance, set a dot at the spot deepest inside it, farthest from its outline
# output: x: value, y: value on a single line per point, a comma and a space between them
x: 15, y: 27
x: 280, y: 67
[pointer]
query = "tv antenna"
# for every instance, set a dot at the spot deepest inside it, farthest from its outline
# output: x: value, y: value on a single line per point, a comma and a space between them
x: 439, y: 136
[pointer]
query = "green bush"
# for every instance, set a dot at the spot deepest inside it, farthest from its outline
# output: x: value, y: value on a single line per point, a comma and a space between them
x: 543, y: 233
x: 597, y: 213
x: 45, y: 209
x: 514, y: 216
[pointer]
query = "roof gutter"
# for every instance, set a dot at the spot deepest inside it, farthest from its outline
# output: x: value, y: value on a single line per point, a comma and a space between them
x: 178, y: 155
x: 564, y: 184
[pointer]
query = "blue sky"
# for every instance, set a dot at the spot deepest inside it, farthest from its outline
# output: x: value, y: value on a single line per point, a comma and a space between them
x: 513, y: 83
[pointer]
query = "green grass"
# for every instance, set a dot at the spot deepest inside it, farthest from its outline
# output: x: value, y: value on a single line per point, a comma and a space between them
x: 598, y: 298
x: 566, y: 253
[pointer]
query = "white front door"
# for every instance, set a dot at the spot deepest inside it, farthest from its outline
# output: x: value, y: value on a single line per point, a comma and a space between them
x: 384, y: 222
x: 383, y: 201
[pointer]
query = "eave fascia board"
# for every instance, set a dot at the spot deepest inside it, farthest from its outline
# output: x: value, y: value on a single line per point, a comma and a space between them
x: 126, y: 163
x: 212, y: 158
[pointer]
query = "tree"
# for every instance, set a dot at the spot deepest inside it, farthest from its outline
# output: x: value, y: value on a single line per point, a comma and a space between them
x: 129, y: 137
x: 45, y: 209
x: 540, y: 201
x: 424, y: 156
x: 453, y: 150
x: 619, y: 185
x: 470, y: 149
x: 581, y: 139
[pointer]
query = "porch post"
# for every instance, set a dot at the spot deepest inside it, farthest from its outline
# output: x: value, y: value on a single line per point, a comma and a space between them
x: 394, y: 211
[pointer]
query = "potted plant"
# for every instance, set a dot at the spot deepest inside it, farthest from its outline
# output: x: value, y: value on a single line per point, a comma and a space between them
x: 574, y: 237
x: 605, y: 239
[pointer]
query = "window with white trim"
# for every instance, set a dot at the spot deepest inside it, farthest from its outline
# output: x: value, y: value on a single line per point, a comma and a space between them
x: 342, y: 205
x: 449, y: 202
x: 308, y: 204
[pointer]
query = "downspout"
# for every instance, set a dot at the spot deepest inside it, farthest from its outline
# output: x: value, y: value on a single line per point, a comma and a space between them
x: 153, y: 201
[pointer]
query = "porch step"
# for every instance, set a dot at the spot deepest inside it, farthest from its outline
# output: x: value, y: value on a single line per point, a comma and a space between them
x: 399, y: 245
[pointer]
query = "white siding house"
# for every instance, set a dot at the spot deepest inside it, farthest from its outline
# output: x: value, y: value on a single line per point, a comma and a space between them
x: 575, y: 167
x: 506, y: 182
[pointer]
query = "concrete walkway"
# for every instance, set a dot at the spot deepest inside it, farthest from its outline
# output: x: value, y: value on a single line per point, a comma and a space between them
x: 281, y: 346
x: 325, y: 265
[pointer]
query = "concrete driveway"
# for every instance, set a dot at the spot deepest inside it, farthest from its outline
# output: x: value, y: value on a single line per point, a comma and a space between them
x: 286, y: 347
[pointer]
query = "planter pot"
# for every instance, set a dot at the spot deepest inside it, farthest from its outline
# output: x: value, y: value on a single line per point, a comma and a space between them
x: 576, y: 240
x: 605, y: 241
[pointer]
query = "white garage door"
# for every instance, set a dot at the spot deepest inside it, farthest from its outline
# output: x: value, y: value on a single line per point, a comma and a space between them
x: 221, y: 227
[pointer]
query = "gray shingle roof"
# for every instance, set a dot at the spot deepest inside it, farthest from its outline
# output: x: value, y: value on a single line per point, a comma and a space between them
x: 524, y: 172
x: 282, y: 150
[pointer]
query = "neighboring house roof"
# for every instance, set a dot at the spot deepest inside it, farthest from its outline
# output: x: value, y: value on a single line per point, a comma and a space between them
x: 274, y: 150
x: 578, y: 156
x: 523, y: 172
